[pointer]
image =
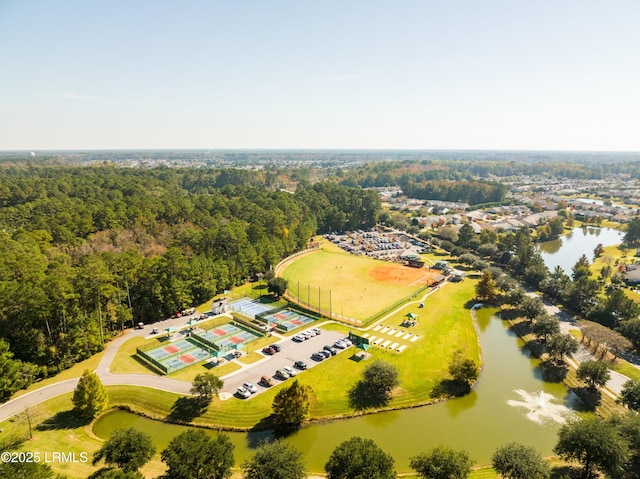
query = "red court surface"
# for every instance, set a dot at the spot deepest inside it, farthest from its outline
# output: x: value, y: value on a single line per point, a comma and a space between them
x: 171, y: 349
x: 280, y: 316
x: 220, y: 332
x: 296, y: 322
x: 236, y: 340
x: 187, y: 359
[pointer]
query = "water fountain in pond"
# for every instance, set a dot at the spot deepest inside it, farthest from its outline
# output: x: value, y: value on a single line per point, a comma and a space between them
x: 540, y: 407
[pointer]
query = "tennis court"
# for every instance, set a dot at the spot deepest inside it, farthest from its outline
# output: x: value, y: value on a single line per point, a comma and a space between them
x: 248, y: 307
x: 288, y: 320
x: 177, y: 355
x: 226, y: 336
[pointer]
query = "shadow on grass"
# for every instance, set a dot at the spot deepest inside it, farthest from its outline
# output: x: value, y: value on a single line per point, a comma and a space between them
x: 450, y: 388
x: 115, y: 473
x: 64, y: 420
x: 566, y: 472
x: 362, y: 396
x: 591, y: 397
x: 552, y: 371
x: 186, y: 409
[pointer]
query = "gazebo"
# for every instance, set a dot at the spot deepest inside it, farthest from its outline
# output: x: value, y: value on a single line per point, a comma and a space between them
x: 410, y: 319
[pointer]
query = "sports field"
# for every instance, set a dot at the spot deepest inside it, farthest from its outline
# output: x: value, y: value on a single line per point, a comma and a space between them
x: 351, y: 286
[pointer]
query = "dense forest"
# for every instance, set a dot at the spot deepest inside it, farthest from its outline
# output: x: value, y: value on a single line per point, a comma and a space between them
x: 87, y: 251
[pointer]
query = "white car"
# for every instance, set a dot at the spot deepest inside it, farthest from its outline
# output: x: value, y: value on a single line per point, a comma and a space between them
x: 250, y: 387
x: 315, y: 331
x: 243, y: 393
x: 290, y: 371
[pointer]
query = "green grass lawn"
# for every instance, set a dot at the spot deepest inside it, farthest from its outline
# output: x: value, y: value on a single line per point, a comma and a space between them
x: 345, y: 287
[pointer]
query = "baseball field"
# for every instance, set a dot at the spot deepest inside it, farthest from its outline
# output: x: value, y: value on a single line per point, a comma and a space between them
x: 351, y: 286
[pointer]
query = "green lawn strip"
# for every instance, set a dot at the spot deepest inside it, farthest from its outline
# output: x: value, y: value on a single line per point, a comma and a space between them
x: 126, y: 361
x: 251, y: 358
x: 63, y: 437
x: 626, y: 368
x: 345, y: 287
x: 73, y: 372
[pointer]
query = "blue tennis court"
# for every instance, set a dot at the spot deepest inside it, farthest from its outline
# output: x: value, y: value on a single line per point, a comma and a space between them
x: 176, y: 355
x: 248, y: 307
x: 288, y: 320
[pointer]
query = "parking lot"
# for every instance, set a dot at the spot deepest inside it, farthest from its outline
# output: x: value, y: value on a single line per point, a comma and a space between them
x: 291, y: 351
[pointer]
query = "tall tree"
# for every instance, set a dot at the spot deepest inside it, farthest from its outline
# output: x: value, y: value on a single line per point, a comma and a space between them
x: 90, y: 397
x: 128, y: 449
x: 206, y: 386
x: 275, y: 460
x: 194, y: 455
x: 463, y: 370
x: 595, y: 373
x: 518, y: 461
x: 486, y: 289
x: 546, y: 325
x: 561, y: 345
x: 381, y: 377
x: 632, y: 236
x: 630, y: 394
x: 442, y: 463
x: 358, y: 458
x: 291, y: 405
x: 593, y: 442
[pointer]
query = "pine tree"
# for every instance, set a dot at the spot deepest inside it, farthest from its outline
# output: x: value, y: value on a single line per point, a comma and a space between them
x: 90, y: 397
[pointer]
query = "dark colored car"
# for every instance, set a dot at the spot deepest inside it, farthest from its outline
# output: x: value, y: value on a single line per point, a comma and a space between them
x: 331, y: 349
x: 318, y: 356
x: 300, y: 365
x: 268, y: 350
x: 275, y: 347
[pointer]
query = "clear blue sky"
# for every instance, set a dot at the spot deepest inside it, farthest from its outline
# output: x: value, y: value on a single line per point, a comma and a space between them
x: 446, y: 74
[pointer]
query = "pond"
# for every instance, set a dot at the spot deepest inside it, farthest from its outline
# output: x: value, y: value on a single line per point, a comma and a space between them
x: 509, y: 403
x: 566, y: 250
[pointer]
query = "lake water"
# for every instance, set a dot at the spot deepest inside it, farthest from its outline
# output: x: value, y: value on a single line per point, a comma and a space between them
x: 566, y: 250
x: 479, y: 422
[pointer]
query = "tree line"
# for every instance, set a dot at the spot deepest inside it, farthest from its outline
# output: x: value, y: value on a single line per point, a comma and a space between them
x: 86, y: 252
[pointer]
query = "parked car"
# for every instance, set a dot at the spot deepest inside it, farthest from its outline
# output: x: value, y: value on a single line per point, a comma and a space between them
x: 347, y: 341
x: 281, y: 374
x: 299, y: 338
x: 275, y: 347
x: 267, y: 381
x: 300, y: 365
x: 331, y: 350
x: 316, y: 331
x: 326, y: 354
x: 318, y: 357
x: 310, y: 332
x: 290, y: 371
x: 269, y: 350
x: 243, y: 393
x: 250, y: 387
x: 339, y: 344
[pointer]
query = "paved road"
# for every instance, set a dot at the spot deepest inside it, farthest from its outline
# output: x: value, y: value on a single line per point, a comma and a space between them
x: 18, y: 404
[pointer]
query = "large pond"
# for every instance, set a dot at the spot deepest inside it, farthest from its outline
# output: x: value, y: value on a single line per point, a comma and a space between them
x: 509, y: 403
x: 566, y: 250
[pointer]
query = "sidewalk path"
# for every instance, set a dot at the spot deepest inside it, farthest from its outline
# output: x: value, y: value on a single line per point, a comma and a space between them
x: 20, y: 403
